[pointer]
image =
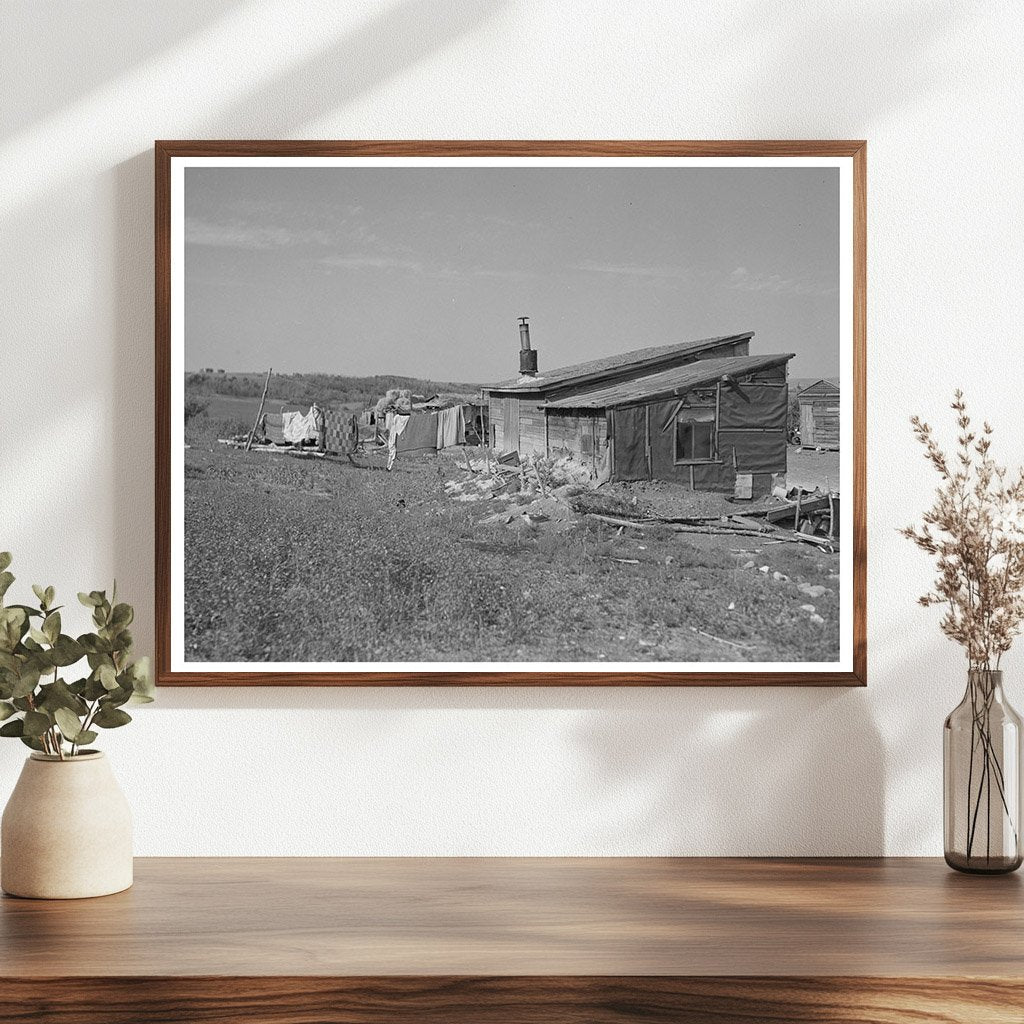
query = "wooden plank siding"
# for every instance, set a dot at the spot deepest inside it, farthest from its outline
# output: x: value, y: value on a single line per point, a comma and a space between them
x: 532, y: 433
x: 579, y: 432
x: 496, y: 415
x: 819, y: 423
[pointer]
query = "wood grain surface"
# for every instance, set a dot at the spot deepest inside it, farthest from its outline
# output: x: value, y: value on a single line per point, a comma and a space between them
x: 506, y: 916
x: 166, y: 150
x: 504, y: 940
x: 511, y: 1000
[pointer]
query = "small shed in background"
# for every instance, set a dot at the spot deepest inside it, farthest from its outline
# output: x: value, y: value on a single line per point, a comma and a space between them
x: 819, y: 415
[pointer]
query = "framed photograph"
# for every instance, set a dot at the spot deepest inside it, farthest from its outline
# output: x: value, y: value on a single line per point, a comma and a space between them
x: 510, y: 413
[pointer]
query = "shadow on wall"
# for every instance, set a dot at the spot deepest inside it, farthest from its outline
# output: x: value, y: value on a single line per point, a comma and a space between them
x: 395, y: 39
x: 133, y: 382
x: 690, y: 771
x: 718, y: 774
x: 406, y: 33
x: 49, y: 46
x: 846, y: 43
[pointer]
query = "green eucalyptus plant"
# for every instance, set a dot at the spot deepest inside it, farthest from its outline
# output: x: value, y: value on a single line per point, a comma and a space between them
x: 54, y: 716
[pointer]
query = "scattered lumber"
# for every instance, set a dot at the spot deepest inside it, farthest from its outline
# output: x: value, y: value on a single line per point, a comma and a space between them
x: 614, y: 521
x: 781, y: 513
x: 753, y: 524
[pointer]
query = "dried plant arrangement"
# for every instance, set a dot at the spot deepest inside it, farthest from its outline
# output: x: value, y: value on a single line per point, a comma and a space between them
x: 975, y: 531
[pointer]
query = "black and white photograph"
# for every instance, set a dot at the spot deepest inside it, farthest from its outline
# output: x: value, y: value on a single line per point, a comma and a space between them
x: 548, y: 415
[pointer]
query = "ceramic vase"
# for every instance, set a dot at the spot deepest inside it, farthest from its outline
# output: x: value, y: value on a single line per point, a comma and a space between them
x: 66, y: 831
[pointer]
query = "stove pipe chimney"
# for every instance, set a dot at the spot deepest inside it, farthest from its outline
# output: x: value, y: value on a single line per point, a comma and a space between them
x: 527, y: 356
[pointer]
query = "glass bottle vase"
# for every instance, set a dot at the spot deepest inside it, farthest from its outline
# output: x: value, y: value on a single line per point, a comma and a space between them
x: 981, y: 771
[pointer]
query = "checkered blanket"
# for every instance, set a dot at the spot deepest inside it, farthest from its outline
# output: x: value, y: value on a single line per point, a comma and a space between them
x: 341, y: 431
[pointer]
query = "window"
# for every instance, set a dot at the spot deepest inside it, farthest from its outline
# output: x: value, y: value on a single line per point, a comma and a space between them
x: 695, y: 435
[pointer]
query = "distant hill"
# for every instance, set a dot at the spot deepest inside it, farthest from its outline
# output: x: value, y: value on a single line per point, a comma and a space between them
x: 323, y: 388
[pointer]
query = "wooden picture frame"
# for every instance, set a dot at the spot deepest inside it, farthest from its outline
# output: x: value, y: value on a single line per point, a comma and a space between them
x: 176, y: 667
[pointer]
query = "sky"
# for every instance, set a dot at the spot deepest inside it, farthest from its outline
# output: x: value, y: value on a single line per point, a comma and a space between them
x: 424, y: 271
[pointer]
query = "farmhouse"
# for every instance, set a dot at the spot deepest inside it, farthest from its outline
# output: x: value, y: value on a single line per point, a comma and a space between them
x: 819, y: 415
x: 705, y: 414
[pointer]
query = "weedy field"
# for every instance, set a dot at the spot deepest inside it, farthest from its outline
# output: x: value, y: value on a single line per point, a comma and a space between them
x: 308, y: 560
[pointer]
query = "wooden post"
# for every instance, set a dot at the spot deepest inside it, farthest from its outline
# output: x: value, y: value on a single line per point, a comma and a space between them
x: 256, y: 422
x: 540, y: 482
x: 831, y: 511
x: 796, y: 514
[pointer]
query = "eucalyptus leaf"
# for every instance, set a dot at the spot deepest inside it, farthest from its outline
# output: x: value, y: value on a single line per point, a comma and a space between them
x: 29, y: 610
x: 50, y: 594
x: 59, y: 695
x: 89, y: 600
x: 40, y: 593
x: 6, y: 710
x: 115, y: 698
x: 122, y: 615
x: 142, y: 678
x: 36, y: 723
x: 51, y: 626
x: 30, y: 741
x: 66, y: 651
x: 13, y: 624
x: 38, y: 635
x: 16, y: 727
x: 27, y: 681
x: 94, y: 644
x: 94, y: 689
x: 86, y: 736
x: 107, y: 676
x: 6, y: 579
x: 5, y: 559
x: 69, y: 724
x: 110, y: 718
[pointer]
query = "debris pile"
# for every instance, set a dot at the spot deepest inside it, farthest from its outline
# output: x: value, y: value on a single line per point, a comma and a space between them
x: 563, y: 490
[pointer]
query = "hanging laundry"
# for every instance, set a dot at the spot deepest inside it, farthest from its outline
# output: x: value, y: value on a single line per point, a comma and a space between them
x: 451, y: 426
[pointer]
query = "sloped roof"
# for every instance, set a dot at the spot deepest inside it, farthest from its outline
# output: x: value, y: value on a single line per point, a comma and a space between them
x: 820, y: 387
x: 624, y: 360
x: 666, y: 383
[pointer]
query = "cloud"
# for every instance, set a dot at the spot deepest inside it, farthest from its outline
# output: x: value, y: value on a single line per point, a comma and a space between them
x: 370, y: 261
x: 659, y: 271
x: 502, y: 275
x: 775, y: 284
x: 239, y: 235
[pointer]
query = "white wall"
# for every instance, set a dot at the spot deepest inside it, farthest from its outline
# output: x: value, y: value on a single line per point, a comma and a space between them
x: 936, y: 89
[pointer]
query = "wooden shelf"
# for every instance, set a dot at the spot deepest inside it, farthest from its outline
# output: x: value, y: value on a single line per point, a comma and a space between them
x: 504, y: 940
